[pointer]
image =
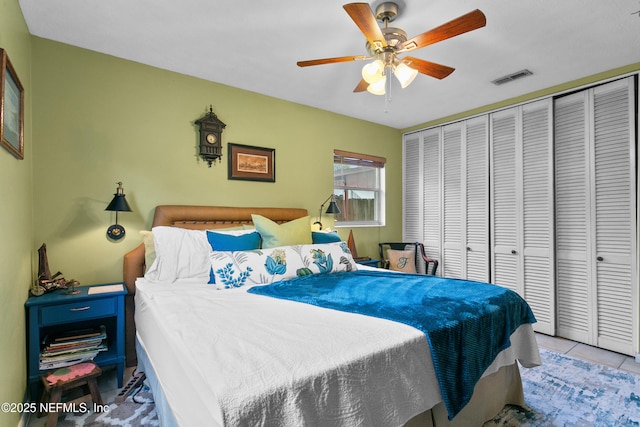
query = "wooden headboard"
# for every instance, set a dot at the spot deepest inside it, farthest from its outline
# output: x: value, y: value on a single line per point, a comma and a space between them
x: 195, y: 218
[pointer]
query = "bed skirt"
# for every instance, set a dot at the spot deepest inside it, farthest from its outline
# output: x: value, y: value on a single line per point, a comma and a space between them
x: 490, y: 395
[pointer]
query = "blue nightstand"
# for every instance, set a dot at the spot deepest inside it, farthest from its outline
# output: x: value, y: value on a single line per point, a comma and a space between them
x: 57, y: 312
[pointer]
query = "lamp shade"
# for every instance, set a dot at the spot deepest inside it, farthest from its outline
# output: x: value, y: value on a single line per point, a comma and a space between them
x: 332, y: 208
x: 119, y: 203
x: 373, y: 72
x: 405, y: 74
x: 378, y: 88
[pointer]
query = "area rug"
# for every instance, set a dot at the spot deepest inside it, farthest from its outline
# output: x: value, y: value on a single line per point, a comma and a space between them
x: 136, y: 410
x: 563, y: 392
x: 570, y: 392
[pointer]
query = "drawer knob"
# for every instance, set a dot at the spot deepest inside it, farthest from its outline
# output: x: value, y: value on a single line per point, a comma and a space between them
x: 80, y: 308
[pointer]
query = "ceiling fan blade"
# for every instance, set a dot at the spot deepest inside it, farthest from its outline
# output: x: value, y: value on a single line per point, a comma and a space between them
x: 364, y: 18
x: 465, y: 23
x: 429, y: 68
x: 330, y: 60
x: 362, y: 86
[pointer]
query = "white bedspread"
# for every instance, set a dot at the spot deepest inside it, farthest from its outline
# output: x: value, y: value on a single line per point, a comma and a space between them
x: 226, y: 357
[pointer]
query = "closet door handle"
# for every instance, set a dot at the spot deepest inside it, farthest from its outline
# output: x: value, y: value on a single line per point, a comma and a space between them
x: 513, y: 251
x: 468, y: 248
x: 600, y: 258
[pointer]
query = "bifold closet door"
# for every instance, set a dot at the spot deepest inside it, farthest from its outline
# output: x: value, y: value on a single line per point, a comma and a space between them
x: 465, y: 200
x: 597, y: 298
x: 538, y: 214
x: 522, y: 207
x: 432, y: 194
x: 412, y: 177
x: 453, y: 188
x: 476, y: 199
x: 422, y: 190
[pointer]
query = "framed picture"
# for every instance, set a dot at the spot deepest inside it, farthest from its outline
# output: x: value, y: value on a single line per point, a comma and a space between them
x: 252, y: 163
x: 11, y: 108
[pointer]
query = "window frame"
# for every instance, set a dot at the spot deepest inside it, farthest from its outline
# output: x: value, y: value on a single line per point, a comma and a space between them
x: 365, y: 160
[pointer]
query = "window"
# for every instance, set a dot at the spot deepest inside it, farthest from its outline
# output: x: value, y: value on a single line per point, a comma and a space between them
x: 358, y: 183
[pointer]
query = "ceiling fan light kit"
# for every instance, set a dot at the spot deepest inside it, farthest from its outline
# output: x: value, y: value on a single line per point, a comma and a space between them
x: 373, y: 72
x: 385, y: 45
x: 404, y: 74
x: 378, y: 88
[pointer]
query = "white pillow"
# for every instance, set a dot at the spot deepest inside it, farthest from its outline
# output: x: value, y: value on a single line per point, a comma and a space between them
x: 261, y: 266
x: 180, y: 254
x: 149, y: 249
x: 233, y: 231
x: 183, y: 255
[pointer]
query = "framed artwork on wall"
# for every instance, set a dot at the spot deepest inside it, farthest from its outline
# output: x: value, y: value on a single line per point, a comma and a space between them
x: 251, y: 163
x: 11, y: 108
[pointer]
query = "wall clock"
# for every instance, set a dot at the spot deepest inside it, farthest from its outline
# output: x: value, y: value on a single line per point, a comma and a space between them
x: 210, y: 128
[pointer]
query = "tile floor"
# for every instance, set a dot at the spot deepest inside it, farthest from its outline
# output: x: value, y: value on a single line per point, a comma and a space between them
x: 109, y: 389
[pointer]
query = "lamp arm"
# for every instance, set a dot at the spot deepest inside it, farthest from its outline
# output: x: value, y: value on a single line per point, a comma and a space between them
x: 325, y: 202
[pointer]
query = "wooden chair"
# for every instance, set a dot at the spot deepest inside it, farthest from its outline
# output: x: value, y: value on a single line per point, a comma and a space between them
x: 430, y: 264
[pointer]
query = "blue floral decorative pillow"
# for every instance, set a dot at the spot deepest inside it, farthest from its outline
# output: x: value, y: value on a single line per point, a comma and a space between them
x: 239, y: 268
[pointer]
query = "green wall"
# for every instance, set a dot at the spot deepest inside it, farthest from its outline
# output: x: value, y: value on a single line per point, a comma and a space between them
x: 16, y: 206
x: 92, y: 119
x: 101, y: 119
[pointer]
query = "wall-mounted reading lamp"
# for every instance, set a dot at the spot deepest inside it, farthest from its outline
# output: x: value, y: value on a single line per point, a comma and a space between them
x: 118, y: 204
x: 331, y: 209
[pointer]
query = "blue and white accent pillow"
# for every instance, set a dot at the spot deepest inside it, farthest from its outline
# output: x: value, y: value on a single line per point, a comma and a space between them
x: 262, y: 266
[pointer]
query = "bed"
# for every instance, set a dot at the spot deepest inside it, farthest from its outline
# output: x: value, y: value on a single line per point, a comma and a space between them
x: 234, y: 356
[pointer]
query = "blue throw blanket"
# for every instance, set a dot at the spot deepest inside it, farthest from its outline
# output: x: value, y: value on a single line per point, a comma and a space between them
x: 466, y: 323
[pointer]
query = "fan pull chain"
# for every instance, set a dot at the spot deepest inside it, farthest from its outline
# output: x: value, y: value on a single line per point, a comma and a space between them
x: 387, y: 92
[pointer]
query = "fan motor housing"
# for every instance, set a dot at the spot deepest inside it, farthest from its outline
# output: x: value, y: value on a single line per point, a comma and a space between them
x: 393, y: 36
x: 387, y: 11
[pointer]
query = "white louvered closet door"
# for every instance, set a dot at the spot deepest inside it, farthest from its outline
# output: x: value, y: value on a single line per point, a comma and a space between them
x: 597, y: 299
x: 573, y: 217
x: 452, y: 213
x: 505, y: 270
x: 465, y: 212
x: 422, y: 190
x: 522, y: 206
x: 411, y: 188
x: 537, y: 244
x: 476, y: 197
x: 432, y: 194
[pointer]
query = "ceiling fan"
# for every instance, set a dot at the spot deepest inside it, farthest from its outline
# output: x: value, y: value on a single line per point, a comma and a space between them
x: 385, y: 44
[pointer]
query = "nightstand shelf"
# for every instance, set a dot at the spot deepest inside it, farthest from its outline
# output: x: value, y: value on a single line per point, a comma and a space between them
x: 57, y: 312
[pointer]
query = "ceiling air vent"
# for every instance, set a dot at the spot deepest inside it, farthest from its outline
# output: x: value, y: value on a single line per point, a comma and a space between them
x: 511, y: 77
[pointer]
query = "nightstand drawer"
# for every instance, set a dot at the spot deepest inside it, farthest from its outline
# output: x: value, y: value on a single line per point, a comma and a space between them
x: 75, y: 311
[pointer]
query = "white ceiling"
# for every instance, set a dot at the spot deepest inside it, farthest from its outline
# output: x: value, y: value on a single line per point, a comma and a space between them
x: 255, y: 44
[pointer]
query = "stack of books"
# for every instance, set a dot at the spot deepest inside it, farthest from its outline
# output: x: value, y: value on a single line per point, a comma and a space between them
x: 72, y: 347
